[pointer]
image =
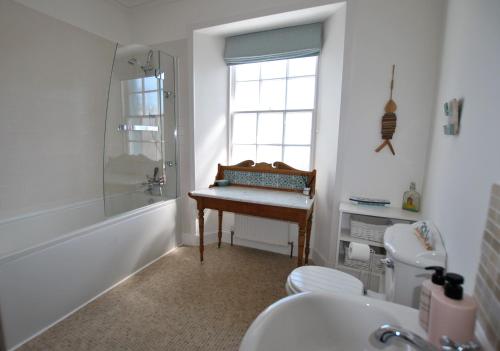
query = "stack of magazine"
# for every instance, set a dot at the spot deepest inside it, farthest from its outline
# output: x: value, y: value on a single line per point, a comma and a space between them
x: 369, y: 202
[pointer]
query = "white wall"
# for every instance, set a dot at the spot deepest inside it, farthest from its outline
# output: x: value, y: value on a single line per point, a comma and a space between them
x: 463, y: 168
x: 210, y: 106
x: 53, y: 89
x: 102, y: 17
x: 378, y: 34
x: 327, y: 130
x: 161, y: 21
x: 406, y: 33
x: 210, y: 77
x: 372, y: 45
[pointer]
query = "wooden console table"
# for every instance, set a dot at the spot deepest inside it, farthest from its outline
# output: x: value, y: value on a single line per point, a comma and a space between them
x: 247, y: 196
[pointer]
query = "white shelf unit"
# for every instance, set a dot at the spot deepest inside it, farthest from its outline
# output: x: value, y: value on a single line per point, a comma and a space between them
x: 372, y: 280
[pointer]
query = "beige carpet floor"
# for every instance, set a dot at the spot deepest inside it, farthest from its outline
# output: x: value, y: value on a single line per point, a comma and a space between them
x: 177, y: 304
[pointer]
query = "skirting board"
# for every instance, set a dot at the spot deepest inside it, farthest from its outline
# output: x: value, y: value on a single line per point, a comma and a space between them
x: 211, y: 237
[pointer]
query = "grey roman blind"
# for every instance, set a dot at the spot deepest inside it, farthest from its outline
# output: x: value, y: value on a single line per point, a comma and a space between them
x: 276, y: 44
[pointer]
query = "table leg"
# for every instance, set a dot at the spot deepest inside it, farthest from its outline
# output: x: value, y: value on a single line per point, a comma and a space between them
x: 219, y: 234
x: 308, y: 237
x: 201, y: 224
x: 300, y: 248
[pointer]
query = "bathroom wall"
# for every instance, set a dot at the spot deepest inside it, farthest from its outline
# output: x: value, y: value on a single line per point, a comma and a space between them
x: 210, y: 113
x: 104, y: 18
x: 371, y: 46
x: 166, y: 21
x: 327, y: 131
x: 381, y: 33
x: 53, y: 90
x: 210, y: 106
x: 487, y: 289
x: 462, y: 168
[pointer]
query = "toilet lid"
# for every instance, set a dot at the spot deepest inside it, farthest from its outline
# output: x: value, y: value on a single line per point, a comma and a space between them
x: 323, y: 279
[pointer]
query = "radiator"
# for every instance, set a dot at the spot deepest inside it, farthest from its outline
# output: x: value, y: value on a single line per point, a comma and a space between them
x: 263, y: 230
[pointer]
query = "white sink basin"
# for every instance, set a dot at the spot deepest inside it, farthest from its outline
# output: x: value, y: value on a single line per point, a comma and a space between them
x: 322, y: 322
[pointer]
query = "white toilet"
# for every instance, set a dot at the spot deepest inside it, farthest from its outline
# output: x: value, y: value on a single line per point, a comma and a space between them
x: 405, y: 269
x: 322, y: 279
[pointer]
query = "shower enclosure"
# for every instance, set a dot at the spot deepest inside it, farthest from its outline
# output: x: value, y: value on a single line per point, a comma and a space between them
x: 140, y: 152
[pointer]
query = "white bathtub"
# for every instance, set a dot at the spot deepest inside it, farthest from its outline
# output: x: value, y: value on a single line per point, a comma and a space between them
x: 54, y: 262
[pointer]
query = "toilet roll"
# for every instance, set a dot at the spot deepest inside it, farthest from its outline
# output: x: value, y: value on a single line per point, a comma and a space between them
x: 359, y: 252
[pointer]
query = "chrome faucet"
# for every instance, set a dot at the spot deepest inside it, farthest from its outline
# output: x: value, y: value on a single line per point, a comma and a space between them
x: 385, y: 334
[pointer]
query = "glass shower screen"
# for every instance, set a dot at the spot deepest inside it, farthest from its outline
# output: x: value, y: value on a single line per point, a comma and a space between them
x: 139, y: 160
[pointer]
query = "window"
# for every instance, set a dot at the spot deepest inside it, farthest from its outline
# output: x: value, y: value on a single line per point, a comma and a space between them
x: 143, y: 105
x: 272, y: 111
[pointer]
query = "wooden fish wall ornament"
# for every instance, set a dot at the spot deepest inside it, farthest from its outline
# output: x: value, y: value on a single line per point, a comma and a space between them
x: 389, y: 120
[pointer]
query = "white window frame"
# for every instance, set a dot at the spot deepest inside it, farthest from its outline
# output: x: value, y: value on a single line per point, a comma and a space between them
x: 126, y: 95
x: 232, y: 112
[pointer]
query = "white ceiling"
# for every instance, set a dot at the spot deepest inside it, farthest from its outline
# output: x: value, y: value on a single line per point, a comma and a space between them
x: 134, y: 3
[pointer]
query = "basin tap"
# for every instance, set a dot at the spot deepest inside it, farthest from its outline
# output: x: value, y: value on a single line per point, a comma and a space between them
x: 382, y: 337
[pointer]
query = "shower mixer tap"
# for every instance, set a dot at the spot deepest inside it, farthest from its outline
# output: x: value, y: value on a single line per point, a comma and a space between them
x: 155, y: 179
x: 154, y: 183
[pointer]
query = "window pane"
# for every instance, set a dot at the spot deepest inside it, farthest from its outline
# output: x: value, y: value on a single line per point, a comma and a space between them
x: 246, y: 96
x: 273, y: 69
x: 270, y: 129
x: 135, y: 104
x: 272, y: 94
x: 150, y: 83
x: 298, y: 128
x: 244, y: 128
x: 269, y: 154
x: 151, y: 104
x: 302, y: 66
x: 297, y: 156
x: 249, y: 71
x: 301, y: 93
x: 242, y: 153
x: 134, y: 85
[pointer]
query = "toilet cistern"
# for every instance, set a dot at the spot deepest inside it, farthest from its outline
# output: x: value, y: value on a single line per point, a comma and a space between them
x: 406, y: 261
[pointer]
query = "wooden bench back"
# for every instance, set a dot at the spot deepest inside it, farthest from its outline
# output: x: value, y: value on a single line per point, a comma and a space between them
x: 277, y: 176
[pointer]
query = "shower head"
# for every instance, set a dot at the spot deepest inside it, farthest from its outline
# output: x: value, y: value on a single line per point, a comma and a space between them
x: 150, y: 57
x: 148, y: 67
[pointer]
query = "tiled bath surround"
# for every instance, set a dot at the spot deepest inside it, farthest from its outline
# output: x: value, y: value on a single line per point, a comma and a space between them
x: 487, y: 290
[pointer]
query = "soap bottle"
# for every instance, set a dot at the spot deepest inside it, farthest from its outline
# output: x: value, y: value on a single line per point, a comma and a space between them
x: 429, y: 286
x: 452, y: 313
x: 411, y: 199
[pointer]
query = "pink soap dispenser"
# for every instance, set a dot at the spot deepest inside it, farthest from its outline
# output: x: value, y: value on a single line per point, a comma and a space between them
x: 429, y: 286
x: 452, y: 313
